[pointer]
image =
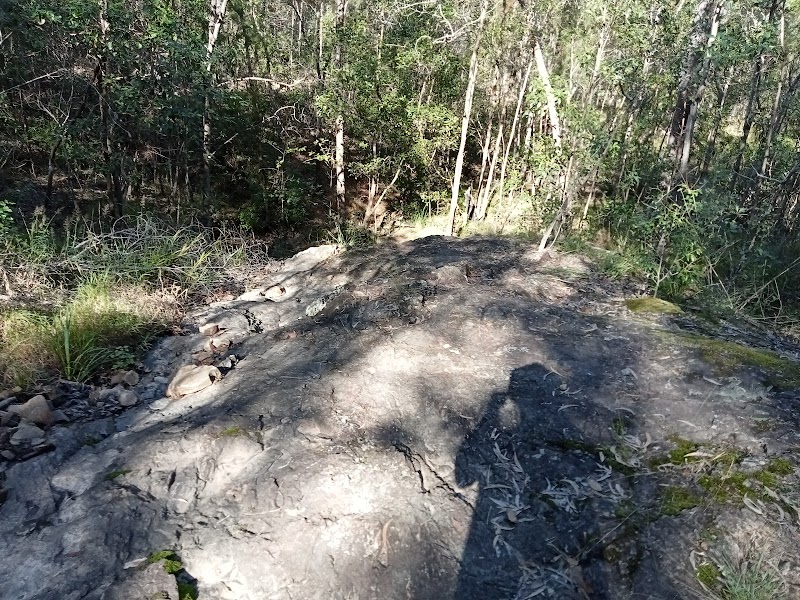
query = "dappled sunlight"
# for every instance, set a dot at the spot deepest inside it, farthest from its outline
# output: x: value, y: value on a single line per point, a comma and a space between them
x: 455, y: 421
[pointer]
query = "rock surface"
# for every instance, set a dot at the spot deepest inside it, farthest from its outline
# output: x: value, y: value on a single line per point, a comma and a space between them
x: 434, y: 419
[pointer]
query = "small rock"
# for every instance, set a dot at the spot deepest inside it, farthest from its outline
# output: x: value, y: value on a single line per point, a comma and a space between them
x: 117, y: 378
x: 190, y: 379
x: 7, y: 402
x: 103, y: 394
x: 27, y: 434
x: 8, y: 418
x: 161, y: 380
x: 6, y: 394
x: 209, y: 329
x: 60, y: 417
x: 450, y: 274
x: 36, y: 410
x: 7, y: 454
x: 228, y: 362
x: 203, y: 356
x: 131, y: 378
x: 252, y: 296
x: 127, y: 398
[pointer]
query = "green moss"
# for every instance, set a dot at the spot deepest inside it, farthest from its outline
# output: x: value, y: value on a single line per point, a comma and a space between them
x: 780, y: 466
x: 732, y: 486
x: 117, y: 473
x: 624, y: 509
x: 568, y: 444
x: 682, y: 448
x: 675, y: 500
x: 232, y: 431
x: 763, y: 425
x: 172, y: 563
x: 652, y: 305
x: 619, y: 426
x: 708, y: 575
x: 728, y: 358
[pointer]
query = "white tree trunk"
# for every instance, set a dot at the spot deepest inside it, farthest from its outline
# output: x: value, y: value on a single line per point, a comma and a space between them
x: 472, y: 78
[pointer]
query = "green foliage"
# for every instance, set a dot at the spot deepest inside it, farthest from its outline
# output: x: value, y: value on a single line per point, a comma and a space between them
x: 675, y: 500
x: 749, y: 578
x: 6, y: 220
x: 172, y: 563
x: 102, y: 327
x: 351, y: 235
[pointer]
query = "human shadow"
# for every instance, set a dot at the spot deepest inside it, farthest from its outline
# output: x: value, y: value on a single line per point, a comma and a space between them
x: 537, y: 513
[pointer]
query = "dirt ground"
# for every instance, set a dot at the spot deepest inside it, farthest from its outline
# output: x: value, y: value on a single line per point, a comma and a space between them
x: 438, y: 418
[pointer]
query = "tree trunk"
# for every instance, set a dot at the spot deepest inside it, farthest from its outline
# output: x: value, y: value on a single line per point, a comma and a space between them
x: 555, y: 132
x: 523, y: 88
x: 216, y: 14
x: 696, y: 98
x: 341, y: 8
x: 472, y: 78
x: 552, y: 112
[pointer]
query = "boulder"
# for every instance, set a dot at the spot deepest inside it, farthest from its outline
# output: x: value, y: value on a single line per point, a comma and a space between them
x: 190, y: 379
x: 36, y: 410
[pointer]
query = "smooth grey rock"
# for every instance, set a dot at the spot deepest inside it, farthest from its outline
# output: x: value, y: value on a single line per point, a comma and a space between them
x: 310, y: 258
x: 26, y: 434
x: 127, y: 398
x: 190, y: 379
x: 8, y: 454
x: 131, y: 378
x: 36, y: 410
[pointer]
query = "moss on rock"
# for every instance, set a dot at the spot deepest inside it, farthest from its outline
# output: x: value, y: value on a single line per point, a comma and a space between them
x: 727, y: 358
x: 652, y: 305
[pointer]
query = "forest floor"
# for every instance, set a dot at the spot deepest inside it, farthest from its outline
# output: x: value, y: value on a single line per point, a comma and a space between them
x: 437, y: 418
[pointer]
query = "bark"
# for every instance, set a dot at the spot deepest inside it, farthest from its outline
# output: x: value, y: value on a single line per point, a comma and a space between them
x: 555, y: 132
x: 113, y: 185
x: 341, y: 9
x: 216, y: 14
x: 691, y: 117
x: 552, y: 112
x: 472, y: 77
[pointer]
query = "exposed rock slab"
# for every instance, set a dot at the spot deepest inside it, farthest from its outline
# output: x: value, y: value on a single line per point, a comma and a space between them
x: 437, y: 419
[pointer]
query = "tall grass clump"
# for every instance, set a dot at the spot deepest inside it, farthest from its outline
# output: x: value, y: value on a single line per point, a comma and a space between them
x: 89, y: 298
x: 103, y: 326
